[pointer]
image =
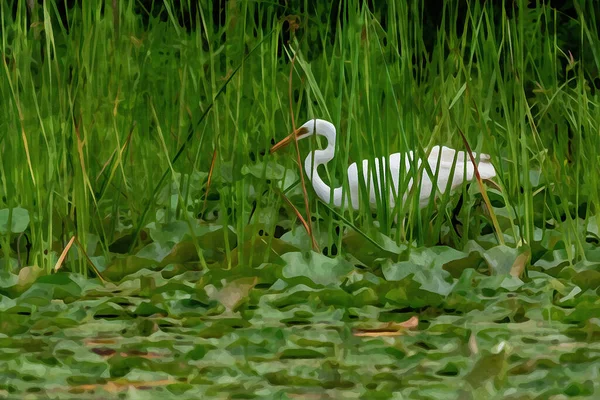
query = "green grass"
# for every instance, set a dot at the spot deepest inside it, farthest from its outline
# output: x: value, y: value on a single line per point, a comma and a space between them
x: 98, y: 118
x: 108, y: 127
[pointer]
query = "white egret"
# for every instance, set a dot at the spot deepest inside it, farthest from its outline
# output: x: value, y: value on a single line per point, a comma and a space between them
x: 445, y: 162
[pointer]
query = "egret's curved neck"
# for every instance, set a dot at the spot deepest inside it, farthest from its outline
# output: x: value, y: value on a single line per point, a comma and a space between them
x: 320, y: 157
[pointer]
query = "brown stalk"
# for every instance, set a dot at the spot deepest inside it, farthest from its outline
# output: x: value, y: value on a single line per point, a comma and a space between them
x: 63, y: 256
x: 307, y: 222
x: 302, y: 220
x: 486, y: 199
x: 209, y: 180
x: 127, y: 141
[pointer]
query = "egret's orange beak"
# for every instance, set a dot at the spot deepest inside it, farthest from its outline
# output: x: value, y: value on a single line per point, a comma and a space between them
x: 292, y: 136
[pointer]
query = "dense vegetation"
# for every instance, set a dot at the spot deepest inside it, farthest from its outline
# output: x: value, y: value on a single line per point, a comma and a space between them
x: 149, y: 242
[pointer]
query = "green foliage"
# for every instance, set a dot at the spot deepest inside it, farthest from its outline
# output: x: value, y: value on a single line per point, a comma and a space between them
x: 477, y: 332
x: 148, y: 141
x: 118, y: 132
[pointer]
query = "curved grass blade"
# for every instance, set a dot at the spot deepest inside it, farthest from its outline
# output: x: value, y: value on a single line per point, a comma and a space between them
x: 209, y: 179
x: 302, y: 220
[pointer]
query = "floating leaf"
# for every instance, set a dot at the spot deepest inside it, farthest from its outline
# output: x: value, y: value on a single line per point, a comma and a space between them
x: 181, y: 253
x: 489, y: 366
x: 501, y: 259
x: 269, y: 170
x: 320, y: 269
x: 169, y: 233
x: 511, y: 283
x: 123, y: 266
x: 259, y: 250
x: 435, y: 257
x: 521, y: 261
x: 233, y: 293
x: 585, y: 274
x: 592, y: 226
x: 154, y: 251
x: 458, y: 266
x: 431, y: 279
x: 553, y: 260
x: 368, y: 252
x: 19, y: 220
x: 427, y: 267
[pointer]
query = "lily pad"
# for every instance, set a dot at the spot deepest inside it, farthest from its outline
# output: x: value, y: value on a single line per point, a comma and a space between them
x: 18, y: 223
x: 316, y: 267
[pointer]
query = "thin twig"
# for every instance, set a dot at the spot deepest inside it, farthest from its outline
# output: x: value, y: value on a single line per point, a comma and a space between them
x: 486, y: 199
x: 209, y: 180
x: 307, y: 223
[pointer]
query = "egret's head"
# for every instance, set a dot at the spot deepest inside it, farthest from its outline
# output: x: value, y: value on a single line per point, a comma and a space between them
x: 304, y: 131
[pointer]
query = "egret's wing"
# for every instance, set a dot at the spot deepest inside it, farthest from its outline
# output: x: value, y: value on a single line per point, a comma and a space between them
x: 447, y: 155
x: 486, y: 169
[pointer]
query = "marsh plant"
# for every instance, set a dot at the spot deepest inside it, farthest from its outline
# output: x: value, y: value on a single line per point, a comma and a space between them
x: 134, y: 147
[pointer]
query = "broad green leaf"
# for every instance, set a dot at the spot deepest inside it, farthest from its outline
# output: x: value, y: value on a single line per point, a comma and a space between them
x: 259, y: 170
x: 592, y: 226
x: 432, y: 279
x: 511, y: 283
x: 169, y: 233
x: 488, y: 366
x: 233, y: 293
x: 553, y: 260
x: 19, y: 220
x: 320, y: 269
x: 154, y: 251
x: 500, y: 259
x: 435, y: 256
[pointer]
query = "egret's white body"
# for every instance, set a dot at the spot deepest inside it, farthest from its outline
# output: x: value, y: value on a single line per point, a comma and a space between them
x: 439, y: 163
